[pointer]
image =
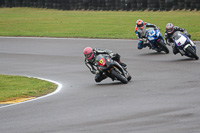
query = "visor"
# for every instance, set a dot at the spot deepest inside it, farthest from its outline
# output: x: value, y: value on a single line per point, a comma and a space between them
x: 89, y: 56
x: 141, y: 25
x: 169, y: 30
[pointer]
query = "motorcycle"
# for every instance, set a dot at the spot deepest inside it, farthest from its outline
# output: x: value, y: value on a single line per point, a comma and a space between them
x: 156, y: 40
x: 184, y: 45
x: 112, y: 68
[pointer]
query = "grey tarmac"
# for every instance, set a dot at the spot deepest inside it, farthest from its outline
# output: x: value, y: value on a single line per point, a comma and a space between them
x: 162, y: 97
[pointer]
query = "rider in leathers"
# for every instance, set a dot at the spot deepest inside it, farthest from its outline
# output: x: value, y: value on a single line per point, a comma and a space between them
x: 90, y: 62
x: 140, y: 31
x: 170, y: 30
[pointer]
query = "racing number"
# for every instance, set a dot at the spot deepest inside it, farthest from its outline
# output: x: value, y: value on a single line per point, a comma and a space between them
x: 101, y: 61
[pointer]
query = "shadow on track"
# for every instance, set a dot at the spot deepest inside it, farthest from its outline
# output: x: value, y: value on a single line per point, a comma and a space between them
x: 182, y: 60
x: 153, y: 53
x: 112, y: 83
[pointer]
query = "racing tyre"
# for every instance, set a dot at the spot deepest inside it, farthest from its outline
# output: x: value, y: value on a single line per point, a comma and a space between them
x: 163, y: 46
x: 119, y: 76
x: 190, y: 50
x: 129, y: 76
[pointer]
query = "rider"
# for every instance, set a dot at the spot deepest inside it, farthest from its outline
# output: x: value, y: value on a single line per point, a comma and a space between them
x: 170, y: 30
x: 140, y: 31
x: 90, y: 55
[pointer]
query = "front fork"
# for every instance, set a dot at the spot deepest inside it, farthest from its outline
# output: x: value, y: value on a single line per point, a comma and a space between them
x: 117, y: 66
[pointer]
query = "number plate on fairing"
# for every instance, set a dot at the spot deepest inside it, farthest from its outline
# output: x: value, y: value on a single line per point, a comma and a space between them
x: 102, y: 62
x: 181, y: 41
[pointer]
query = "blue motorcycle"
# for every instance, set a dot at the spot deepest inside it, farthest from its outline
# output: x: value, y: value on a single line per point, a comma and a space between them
x: 185, y: 46
x: 156, y: 40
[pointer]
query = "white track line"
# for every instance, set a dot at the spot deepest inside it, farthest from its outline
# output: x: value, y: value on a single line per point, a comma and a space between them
x: 56, y: 91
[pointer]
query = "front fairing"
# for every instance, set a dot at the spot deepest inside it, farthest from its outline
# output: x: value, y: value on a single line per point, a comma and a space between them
x: 103, y: 62
x: 153, y: 35
x: 182, y: 41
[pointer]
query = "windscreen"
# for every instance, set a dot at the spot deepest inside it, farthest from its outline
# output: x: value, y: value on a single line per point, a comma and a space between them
x: 176, y: 35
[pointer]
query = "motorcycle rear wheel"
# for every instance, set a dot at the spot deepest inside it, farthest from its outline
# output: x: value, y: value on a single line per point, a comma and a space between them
x: 119, y: 76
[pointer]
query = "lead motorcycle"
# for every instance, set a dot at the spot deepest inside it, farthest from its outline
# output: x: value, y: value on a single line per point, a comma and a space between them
x: 184, y: 45
x: 112, y: 68
x: 156, y: 40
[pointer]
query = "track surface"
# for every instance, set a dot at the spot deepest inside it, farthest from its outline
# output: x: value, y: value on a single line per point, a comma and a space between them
x: 163, y: 96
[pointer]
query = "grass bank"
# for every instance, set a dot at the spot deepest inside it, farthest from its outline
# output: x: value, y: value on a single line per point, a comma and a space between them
x: 14, y: 87
x: 92, y: 24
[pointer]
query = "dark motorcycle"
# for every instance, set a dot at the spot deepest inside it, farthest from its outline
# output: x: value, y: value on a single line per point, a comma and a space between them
x: 112, y: 68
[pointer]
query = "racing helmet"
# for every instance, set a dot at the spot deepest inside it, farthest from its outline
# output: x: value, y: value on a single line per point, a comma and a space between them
x: 169, y: 28
x: 89, y: 53
x: 140, y: 24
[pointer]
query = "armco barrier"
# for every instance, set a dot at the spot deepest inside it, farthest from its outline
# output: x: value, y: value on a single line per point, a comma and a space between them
x: 181, y: 4
x: 168, y: 4
x: 152, y: 5
x: 175, y: 5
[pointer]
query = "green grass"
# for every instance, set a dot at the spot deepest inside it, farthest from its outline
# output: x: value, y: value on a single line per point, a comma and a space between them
x: 90, y: 24
x: 13, y: 87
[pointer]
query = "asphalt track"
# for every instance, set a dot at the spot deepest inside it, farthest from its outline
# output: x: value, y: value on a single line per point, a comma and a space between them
x: 163, y: 96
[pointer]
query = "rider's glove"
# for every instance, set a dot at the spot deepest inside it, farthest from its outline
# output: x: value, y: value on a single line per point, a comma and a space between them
x: 112, y: 55
x: 157, y: 28
x: 143, y: 39
x: 185, y: 32
x: 95, y: 71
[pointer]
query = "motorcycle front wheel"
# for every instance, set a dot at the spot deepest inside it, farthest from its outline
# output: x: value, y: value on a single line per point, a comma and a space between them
x: 163, y: 46
x: 119, y: 76
x: 191, y: 51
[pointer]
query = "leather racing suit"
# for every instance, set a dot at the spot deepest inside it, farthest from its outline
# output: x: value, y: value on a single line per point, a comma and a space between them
x: 169, y: 40
x: 91, y: 63
x: 141, y: 35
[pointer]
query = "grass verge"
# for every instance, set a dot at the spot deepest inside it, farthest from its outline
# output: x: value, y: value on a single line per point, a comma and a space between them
x: 90, y: 24
x: 14, y: 87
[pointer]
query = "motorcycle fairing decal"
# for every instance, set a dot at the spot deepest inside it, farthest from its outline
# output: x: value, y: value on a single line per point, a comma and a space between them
x: 158, y: 33
x: 150, y: 38
x: 181, y: 41
x: 152, y: 33
x: 102, y: 62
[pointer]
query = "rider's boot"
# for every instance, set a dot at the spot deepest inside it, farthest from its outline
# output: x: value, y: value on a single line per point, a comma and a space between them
x: 175, y: 50
x: 100, y: 76
x: 147, y: 44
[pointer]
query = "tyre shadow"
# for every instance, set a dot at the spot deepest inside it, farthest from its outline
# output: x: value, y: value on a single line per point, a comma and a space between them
x: 153, y: 53
x: 112, y: 83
